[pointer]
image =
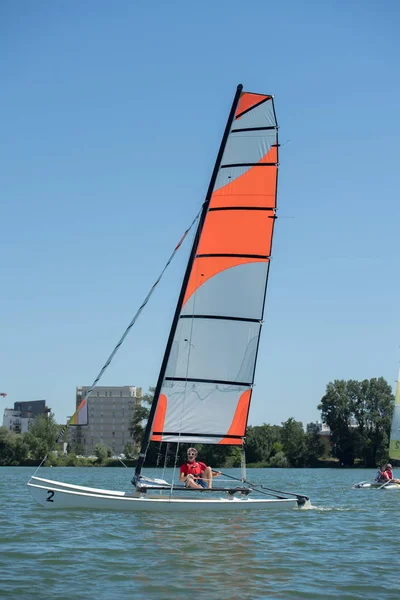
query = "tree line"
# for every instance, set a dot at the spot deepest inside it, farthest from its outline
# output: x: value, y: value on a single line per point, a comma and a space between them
x: 358, y: 414
x: 32, y: 447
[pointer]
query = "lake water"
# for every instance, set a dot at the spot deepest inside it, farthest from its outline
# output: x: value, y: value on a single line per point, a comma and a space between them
x: 345, y: 547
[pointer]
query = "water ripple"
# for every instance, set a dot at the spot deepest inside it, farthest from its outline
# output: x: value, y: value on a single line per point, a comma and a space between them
x: 342, y: 547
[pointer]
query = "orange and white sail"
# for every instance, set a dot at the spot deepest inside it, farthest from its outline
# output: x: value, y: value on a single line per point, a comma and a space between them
x: 208, y: 371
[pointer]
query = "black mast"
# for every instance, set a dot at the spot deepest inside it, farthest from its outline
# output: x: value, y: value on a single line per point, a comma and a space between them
x: 147, y: 432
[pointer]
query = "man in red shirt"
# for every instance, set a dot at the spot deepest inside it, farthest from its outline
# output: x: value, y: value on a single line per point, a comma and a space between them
x: 196, y: 474
x: 382, y: 475
x: 390, y: 473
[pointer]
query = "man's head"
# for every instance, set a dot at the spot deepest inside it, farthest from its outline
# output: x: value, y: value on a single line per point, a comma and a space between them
x: 191, y: 454
x: 388, y: 466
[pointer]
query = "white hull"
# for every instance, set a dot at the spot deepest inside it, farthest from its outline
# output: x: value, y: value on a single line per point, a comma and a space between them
x: 376, y: 486
x: 58, y: 495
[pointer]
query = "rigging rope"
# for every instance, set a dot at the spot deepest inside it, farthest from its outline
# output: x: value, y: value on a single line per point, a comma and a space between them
x: 131, y: 324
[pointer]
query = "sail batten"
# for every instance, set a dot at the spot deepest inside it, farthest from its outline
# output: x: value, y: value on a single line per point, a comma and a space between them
x: 249, y: 164
x: 254, y: 129
x: 194, y: 435
x: 219, y: 381
x: 222, y: 317
x: 256, y: 256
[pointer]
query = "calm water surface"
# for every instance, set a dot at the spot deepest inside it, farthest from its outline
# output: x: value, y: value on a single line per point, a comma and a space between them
x: 345, y: 547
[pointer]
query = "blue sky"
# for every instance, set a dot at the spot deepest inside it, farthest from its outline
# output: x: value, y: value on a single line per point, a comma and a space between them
x: 112, y: 115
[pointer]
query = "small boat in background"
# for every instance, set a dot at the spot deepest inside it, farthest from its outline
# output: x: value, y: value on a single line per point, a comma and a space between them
x: 394, y: 449
x: 389, y: 485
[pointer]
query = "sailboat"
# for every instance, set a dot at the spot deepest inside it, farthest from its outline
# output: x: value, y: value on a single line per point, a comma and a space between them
x: 206, y: 377
x: 394, y: 447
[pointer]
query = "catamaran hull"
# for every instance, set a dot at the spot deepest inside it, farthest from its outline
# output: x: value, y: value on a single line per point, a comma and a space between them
x: 57, y: 495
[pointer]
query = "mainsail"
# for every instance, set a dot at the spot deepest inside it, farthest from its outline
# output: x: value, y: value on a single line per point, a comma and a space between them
x: 394, y: 447
x: 206, y: 379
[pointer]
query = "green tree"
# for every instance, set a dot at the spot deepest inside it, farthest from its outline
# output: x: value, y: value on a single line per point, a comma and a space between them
x: 336, y: 411
x: 314, y: 447
x: 21, y: 449
x: 358, y: 414
x: 260, y: 441
x: 294, y: 443
x: 234, y: 459
x: 7, y: 455
x: 279, y: 460
x: 41, y: 436
x: 372, y: 403
x: 101, y: 452
x: 129, y: 450
x: 276, y: 447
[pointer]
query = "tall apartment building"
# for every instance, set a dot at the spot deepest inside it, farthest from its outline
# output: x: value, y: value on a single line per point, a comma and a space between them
x: 110, y: 410
x: 18, y: 419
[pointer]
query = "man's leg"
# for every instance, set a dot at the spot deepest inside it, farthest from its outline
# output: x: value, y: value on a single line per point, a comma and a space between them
x: 207, y: 476
x: 191, y: 482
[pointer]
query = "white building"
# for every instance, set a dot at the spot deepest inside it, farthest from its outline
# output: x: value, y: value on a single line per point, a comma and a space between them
x: 19, y: 418
x: 320, y: 427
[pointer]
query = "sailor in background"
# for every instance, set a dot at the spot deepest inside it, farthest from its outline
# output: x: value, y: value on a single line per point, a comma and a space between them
x: 382, y: 476
x: 390, y: 473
